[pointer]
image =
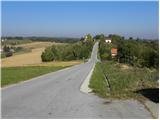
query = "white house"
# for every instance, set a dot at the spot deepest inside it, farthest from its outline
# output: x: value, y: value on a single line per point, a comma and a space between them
x: 85, y: 38
x: 108, y: 40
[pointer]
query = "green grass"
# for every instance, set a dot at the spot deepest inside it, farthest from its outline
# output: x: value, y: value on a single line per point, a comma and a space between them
x: 97, y: 82
x: 124, y: 82
x: 11, y: 75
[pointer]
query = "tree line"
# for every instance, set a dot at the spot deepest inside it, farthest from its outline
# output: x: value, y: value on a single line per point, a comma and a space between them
x: 76, y: 51
x: 42, y: 39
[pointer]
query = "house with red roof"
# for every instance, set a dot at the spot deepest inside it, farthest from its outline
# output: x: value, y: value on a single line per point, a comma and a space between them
x: 114, y: 52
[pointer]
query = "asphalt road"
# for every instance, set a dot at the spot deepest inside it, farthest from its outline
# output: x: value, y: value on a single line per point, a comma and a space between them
x: 57, y: 95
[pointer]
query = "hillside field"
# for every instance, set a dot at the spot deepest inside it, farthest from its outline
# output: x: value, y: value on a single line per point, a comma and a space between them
x: 30, y: 58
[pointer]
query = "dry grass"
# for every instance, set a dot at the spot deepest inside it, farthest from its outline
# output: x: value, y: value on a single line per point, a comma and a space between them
x: 33, y: 57
x: 60, y: 63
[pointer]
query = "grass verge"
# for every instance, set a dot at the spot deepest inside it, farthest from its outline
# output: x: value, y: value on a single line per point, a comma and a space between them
x: 11, y: 75
x: 125, y: 80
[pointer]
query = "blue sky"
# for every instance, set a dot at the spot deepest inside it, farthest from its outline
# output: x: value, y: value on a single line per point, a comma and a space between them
x: 75, y: 19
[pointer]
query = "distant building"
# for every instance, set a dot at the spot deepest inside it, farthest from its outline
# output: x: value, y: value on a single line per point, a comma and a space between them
x: 108, y: 40
x: 86, y: 37
x: 114, y: 52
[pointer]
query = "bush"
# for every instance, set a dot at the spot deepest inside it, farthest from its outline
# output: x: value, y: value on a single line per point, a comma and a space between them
x: 47, y: 55
x: 138, y: 53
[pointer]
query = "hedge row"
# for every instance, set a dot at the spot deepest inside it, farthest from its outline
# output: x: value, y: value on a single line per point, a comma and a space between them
x: 76, y: 51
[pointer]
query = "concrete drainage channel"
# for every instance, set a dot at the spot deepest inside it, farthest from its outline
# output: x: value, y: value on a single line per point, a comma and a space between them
x: 85, y: 85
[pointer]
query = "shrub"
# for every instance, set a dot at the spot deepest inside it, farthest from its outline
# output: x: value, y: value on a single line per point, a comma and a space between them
x: 47, y: 55
x: 138, y: 53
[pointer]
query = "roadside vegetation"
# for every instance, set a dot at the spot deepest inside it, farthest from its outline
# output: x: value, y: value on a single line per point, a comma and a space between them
x: 134, y: 68
x: 125, y: 81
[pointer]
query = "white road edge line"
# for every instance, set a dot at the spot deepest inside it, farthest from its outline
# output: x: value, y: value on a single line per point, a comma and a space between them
x: 85, y: 85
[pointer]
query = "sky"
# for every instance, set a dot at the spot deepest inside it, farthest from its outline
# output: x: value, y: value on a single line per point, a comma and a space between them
x: 76, y: 19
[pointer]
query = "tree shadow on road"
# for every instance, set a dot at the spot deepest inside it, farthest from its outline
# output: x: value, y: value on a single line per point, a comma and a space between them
x: 150, y: 93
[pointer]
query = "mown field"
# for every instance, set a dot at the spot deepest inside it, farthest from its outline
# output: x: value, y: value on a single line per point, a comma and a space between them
x: 33, y: 57
x: 11, y: 75
x: 126, y: 81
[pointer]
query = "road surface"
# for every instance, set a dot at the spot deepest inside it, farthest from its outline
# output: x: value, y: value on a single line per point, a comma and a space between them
x: 57, y: 95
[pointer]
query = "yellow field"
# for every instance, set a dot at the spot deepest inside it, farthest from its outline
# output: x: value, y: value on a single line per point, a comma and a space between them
x: 33, y: 58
